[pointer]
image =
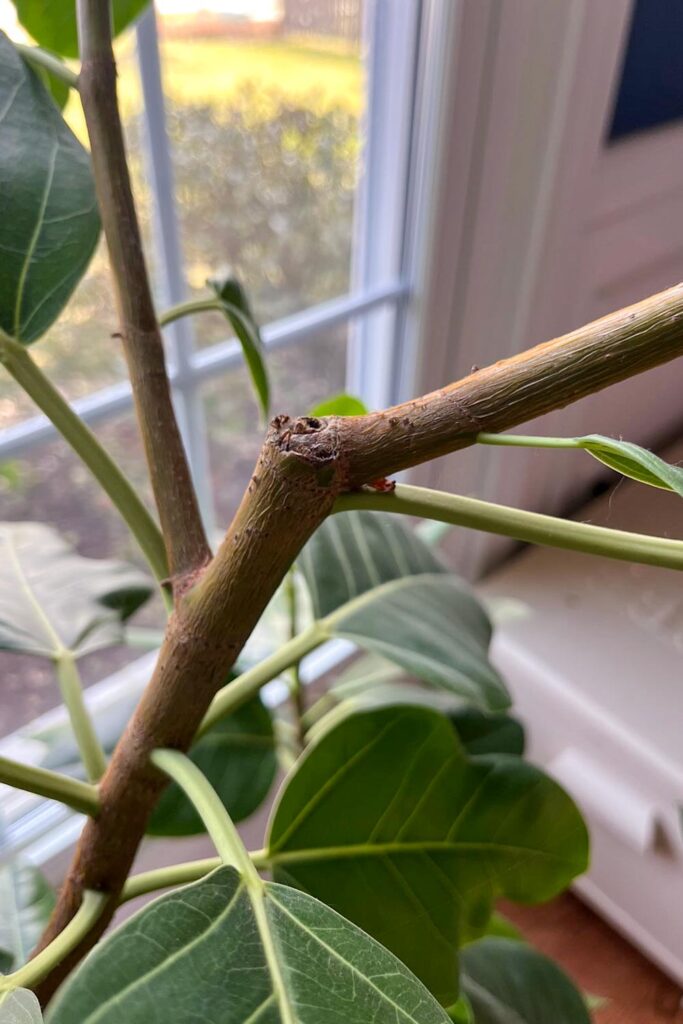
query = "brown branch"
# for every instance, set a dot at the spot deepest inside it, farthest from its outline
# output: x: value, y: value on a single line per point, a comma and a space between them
x: 515, y: 390
x: 291, y: 491
x: 174, y: 493
x: 304, y: 465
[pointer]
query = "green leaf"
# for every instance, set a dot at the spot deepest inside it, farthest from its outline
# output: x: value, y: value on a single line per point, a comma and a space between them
x: 388, y: 821
x: 634, y: 462
x: 52, y: 23
x: 432, y: 627
x: 354, y: 552
x: 26, y: 902
x: 50, y: 225
x: 373, y: 582
x: 52, y: 599
x: 480, y: 733
x: 238, y: 311
x: 6, y: 961
x: 225, y: 952
x: 510, y: 983
x: 374, y: 682
x: 238, y: 758
x: 19, y: 1007
x: 340, y: 405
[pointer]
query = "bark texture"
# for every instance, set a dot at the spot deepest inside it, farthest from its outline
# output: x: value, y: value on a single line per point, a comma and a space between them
x: 174, y: 494
x: 291, y: 491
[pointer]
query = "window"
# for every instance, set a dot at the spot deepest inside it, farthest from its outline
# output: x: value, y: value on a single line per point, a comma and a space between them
x: 283, y: 146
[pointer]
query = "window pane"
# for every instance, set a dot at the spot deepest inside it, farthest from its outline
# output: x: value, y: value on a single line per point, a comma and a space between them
x: 51, y: 486
x: 301, y: 375
x: 265, y: 141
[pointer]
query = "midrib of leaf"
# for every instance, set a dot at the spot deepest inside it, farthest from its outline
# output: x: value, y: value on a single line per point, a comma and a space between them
x: 10, y: 100
x: 337, y: 956
x: 366, y: 553
x: 329, y: 622
x: 31, y: 597
x: 410, y: 847
x: 257, y: 894
x: 34, y: 240
x: 344, y: 560
x: 160, y: 968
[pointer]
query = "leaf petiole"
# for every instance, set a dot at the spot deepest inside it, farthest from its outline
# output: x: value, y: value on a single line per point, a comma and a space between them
x: 43, y: 59
x: 92, y: 754
x: 531, y: 527
x: 41, y: 964
x: 210, y: 809
x: 236, y: 693
x: 81, y: 796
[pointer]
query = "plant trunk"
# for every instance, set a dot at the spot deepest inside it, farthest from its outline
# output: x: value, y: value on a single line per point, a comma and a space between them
x: 291, y: 491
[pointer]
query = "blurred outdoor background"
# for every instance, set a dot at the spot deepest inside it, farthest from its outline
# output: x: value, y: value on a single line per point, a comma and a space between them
x: 264, y: 103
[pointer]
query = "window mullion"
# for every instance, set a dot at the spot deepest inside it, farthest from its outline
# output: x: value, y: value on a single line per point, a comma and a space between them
x: 391, y: 36
x: 170, y: 274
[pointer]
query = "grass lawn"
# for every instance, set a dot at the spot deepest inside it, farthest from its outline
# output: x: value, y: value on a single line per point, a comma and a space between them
x: 211, y: 72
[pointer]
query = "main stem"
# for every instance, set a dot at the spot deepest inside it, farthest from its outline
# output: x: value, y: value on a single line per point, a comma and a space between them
x: 181, y: 524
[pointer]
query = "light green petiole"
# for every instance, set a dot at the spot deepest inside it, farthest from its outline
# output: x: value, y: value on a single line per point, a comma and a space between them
x: 530, y: 527
x: 81, y: 796
x: 51, y: 64
x: 527, y: 441
x: 210, y: 809
x: 90, y: 748
x: 235, y: 694
x: 41, y: 964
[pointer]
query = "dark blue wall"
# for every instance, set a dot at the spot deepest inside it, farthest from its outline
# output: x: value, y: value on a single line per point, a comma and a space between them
x: 651, y: 90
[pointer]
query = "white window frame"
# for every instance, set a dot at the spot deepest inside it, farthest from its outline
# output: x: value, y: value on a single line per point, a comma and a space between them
x: 408, y: 56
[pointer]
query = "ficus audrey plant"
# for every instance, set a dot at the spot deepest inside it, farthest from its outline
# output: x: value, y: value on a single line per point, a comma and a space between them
x: 406, y: 807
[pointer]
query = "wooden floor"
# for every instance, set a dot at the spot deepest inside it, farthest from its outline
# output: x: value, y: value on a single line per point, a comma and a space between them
x: 601, y: 962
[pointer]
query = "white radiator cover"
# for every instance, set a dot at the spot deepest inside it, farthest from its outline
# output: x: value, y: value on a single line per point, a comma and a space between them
x: 593, y: 654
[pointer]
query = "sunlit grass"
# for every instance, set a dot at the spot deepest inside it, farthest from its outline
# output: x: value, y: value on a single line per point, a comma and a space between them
x: 214, y: 72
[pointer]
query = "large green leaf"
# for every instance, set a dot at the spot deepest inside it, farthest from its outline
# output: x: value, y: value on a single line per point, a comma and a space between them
x: 237, y: 310
x: 51, y: 598
x: 52, y: 23
x: 26, y: 902
x: 388, y: 821
x: 238, y: 758
x: 375, y: 583
x: 508, y: 982
x: 354, y: 552
x: 633, y: 461
x: 19, y: 1007
x: 433, y: 627
x: 222, y: 952
x: 49, y: 222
